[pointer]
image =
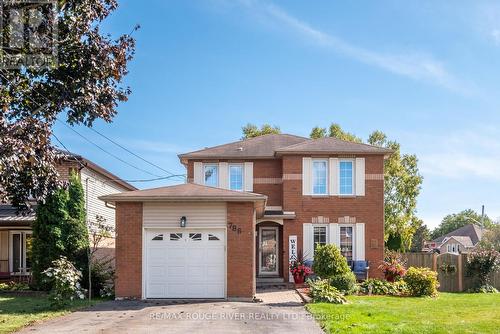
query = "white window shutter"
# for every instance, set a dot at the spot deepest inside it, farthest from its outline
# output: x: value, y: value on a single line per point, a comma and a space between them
x: 306, y: 176
x: 360, y: 176
x: 223, y: 175
x: 334, y: 176
x: 198, y: 173
x: 334, y: 234
x: 307, y: 242
x: 359, y: 239
x: 248, y: 180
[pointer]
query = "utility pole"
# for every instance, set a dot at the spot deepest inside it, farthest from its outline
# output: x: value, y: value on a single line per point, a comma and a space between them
x: 482, y: 217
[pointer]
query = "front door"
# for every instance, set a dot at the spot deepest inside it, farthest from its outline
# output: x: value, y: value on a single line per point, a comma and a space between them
x: 268, y: 251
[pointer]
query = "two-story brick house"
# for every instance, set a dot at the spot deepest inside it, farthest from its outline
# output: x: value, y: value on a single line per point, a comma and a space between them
x: 246, y: 204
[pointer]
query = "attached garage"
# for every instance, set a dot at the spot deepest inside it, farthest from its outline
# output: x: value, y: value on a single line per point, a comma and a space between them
x: 187, y: 263
x: 186, y: 241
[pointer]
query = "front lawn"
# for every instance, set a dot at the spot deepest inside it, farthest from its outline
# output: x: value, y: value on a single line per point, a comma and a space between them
x: 19, y: 311
x: 449, y: 313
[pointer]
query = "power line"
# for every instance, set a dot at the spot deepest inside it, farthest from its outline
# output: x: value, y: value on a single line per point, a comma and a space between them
x: 134, y: 154
x: 106, y: 151
x: 137, y: 180
x: 158, y: 177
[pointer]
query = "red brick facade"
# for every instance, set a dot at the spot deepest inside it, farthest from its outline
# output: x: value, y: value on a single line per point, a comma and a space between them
x: 368, y: 209
x: 241, y: 251
x: 128, y: 250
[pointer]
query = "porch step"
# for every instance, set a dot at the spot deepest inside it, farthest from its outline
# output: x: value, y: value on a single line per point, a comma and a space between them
x: 271, y: 282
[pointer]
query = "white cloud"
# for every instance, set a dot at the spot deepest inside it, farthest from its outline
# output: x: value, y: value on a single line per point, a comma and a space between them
x: 462, y: 154
x: 416, y: 66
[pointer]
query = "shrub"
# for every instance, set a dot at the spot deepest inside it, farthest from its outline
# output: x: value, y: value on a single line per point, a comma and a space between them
x: 487, y: 289
x: 481, y: 264
x: 393, y: 266
x: 102, y: 277
x: 421, y: 281
x: 322, y: 291
x: 65, y: 279
x: 328, y: 261
x: 380, y: 287
x: 346, y: 283
x: 14, y: 286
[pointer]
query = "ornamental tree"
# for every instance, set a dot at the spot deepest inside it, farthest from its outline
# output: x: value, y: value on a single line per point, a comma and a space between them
x: 85, y: 85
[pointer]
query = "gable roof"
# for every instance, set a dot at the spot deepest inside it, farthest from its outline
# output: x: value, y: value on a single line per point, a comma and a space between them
x: 268, y: 146
x: 465, y: 241
x: 472, y: 231
x: 184, y: 192
x: 257, y: 147
x: 95, y: 167
x: 332, y: 145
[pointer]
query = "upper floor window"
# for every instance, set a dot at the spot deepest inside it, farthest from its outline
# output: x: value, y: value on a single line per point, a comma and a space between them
x: 211, y: 175
x: 319, y: 169
x: 346, y: 178
x: 236, y: 177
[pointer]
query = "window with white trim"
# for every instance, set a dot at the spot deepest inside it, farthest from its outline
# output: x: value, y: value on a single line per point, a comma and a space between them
x: 320, y: 177
x: 211, y: 175
x: 20, y: 252
x: 236, y: 177
x: 319, y: 236
x: 346, y: 242
x: 346, y: 178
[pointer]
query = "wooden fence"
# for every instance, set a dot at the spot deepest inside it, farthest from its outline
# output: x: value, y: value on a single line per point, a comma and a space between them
x: 451, y: 269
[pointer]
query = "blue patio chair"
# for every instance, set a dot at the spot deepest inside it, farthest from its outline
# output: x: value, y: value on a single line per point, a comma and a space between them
x: 360, y: 270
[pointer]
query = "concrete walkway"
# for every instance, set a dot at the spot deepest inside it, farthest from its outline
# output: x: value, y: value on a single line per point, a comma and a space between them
x: 280, y: 311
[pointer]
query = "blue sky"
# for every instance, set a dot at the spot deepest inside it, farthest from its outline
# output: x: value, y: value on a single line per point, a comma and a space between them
x: 425, y: 73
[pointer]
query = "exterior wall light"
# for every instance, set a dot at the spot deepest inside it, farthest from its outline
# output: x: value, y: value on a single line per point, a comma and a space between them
x: 183, y: 221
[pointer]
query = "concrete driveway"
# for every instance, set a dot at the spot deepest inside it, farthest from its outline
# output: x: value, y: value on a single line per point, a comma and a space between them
x: 280, y: 312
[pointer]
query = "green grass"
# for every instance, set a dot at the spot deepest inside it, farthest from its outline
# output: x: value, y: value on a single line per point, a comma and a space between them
x: 19, y: 311
x: 448, y: 313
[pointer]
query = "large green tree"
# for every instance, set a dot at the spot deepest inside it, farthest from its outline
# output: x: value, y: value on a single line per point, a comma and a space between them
x: 48, y: 237
x: 454, y: 221
x: 75, y: 230
x: 60, y: 229
x: 85, y: 84
x: 252, y: 131
x: 402, y: 184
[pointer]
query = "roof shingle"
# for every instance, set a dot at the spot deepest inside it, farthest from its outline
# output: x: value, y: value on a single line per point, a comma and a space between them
x: 332, y: 145
x: 184, y: 192
x: 258, y: 147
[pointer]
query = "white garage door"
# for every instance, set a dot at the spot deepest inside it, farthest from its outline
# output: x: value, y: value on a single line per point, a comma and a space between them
x: 185, y: 263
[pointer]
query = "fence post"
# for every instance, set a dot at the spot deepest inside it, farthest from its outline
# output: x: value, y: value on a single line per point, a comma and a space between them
x: 434, y: 261
x: 459, y: 273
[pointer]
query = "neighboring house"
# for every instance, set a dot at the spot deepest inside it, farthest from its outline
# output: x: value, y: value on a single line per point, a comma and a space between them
x: 246, y: 205
x: 460, y: 240
x: 15, y: 228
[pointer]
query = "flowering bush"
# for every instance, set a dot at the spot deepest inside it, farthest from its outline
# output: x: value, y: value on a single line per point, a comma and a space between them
x: 482, y: 263
x: 393, y: 266
x: 297, y: 268
x: 65, y: 279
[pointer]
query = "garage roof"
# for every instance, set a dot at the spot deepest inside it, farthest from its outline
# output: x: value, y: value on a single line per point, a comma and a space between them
x: 184, y: 192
